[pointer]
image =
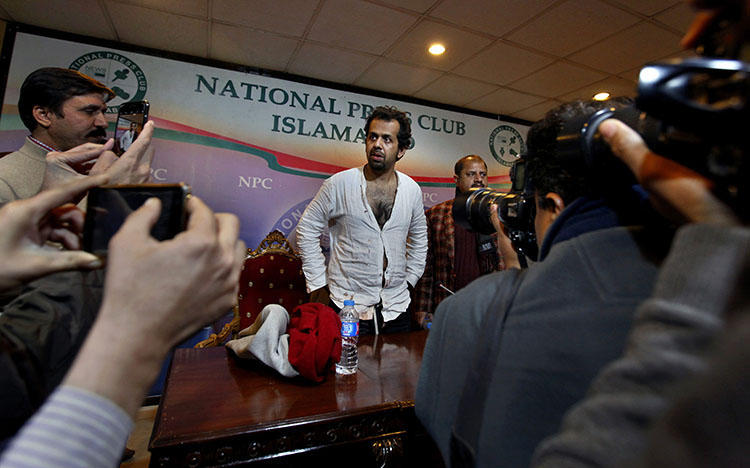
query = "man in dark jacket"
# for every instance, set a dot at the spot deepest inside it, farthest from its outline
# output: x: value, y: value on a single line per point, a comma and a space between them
x: 570, y: 315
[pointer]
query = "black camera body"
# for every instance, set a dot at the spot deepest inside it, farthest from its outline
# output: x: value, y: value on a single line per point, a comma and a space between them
x: 515, y: 209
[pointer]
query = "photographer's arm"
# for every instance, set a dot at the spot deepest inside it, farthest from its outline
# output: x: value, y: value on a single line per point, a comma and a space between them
x: 181, y: 284
x: 677, y: 192
x: 694, y: 296
x: 505, y: 248
x: 28, y: 225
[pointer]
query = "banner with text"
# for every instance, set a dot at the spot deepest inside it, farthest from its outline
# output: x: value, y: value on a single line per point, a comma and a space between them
x: 259, y: 146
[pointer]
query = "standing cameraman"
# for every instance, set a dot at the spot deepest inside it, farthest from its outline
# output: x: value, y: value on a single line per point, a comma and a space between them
x: 570, y: 316
x: 696, y: 408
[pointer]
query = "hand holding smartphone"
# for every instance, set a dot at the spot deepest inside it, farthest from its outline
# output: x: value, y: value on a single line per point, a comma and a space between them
x: 109, y: 205
x: 131, y: 118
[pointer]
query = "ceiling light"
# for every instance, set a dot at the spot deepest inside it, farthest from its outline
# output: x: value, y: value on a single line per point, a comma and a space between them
x: 601, y: 96
x: 436, y: 49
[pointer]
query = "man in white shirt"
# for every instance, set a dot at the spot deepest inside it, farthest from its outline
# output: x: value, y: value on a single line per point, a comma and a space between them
x: 127, y: 138
x: 377, y: 230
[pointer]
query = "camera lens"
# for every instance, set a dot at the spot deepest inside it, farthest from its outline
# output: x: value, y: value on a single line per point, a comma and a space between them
x: 471, y: 209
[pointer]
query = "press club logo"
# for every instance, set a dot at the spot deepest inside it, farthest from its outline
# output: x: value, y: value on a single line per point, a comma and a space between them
x: 506, y: 145
x: 117, y: 72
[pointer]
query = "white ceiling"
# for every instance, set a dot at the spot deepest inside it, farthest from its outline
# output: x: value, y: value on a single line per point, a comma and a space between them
x: 512, y: 57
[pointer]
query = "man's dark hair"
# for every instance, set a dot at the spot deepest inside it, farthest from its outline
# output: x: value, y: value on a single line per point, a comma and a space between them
x: 51, y: 87
x: 388, y: 113
x: 469, y: 157
x: 544, y: 166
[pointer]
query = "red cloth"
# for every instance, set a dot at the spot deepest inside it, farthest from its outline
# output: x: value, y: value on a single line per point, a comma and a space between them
x: 314, y: 340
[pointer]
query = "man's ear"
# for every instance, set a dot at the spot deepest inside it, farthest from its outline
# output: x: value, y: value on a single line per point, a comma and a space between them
x: 554, y: 203
x: 42, y: 116
x: 455, y: 179
x: 400, y: 154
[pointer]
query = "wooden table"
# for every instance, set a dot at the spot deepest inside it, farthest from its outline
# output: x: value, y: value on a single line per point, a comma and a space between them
x: 218, y: 410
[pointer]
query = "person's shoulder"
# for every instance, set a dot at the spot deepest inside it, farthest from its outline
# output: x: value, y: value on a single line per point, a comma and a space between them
x: 480, y: 294
x: 346, y: 174
x: 406, y: 182
x: 440, y: 210
x: 22, y: 152
x: 403, y: 178
x: 442, y: 206
x: 29, y: 150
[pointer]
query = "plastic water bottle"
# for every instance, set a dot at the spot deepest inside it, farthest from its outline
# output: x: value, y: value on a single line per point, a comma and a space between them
x: 349, y: 336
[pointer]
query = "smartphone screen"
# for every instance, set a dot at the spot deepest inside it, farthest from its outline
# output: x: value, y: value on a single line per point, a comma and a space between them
x: 108, y: 206
x: 131, y: 118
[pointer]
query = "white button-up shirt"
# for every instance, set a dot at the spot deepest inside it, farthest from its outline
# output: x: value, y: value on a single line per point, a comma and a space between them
x: 358, y: 245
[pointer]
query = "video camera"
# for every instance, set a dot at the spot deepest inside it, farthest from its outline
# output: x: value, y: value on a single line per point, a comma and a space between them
x: 694, y: 111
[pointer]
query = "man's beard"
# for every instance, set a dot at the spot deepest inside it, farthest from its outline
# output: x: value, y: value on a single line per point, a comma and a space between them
x: 376, y: 164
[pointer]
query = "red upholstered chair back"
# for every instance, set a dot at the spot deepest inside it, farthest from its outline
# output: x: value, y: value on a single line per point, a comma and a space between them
x: 272, y: 274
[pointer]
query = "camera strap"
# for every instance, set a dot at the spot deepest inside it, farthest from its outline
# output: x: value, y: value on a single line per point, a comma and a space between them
x: 487, y: 256
x: 467, y: 427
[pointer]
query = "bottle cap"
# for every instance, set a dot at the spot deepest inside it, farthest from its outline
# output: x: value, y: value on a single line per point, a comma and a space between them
x: 349, y: 302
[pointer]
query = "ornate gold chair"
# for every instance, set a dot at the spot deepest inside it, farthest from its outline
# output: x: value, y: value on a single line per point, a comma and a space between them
x: 271, y: 274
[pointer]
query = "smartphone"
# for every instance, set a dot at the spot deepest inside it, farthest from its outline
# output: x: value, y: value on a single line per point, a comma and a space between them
x: 131, y: 118
x: 109, y: 205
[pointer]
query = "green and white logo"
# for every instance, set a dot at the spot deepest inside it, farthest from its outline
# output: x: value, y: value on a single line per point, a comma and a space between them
x: 506, y: 145
x: 119, y: 73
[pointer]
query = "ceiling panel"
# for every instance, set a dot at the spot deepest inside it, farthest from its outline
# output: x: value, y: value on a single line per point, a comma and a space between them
x: 647, y: 7
x: 455, y: 90
x: 241, y: 45
x: 593, y: 19
x: 395, y: 77
x: 197, y: 8
x: 366, y: 27
x: 508, y: 99
x: 460, y: 45
x: 629, y: 49
x: 495, y: 17
x: 679, y: 16
x: 75, y: 16
x: 613, y: 85
x: 559, y: 78
x: 283, y: 16
x: 340, y: 66
x: 502, y: 63
x: 538, y: 111
x: 419, y: 6
x: 166, y: 31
